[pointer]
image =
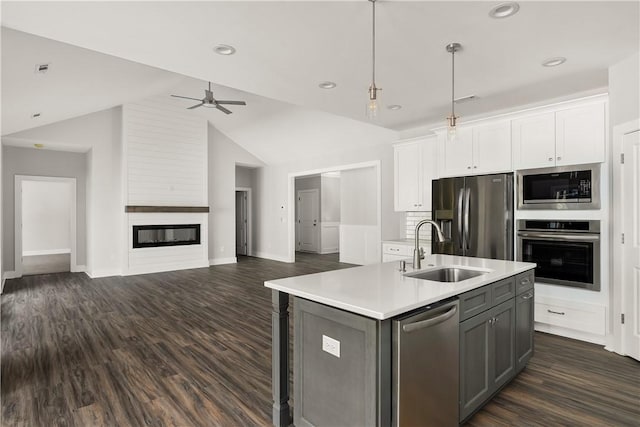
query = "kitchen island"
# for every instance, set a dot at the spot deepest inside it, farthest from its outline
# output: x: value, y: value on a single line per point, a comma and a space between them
x: 348, y: 364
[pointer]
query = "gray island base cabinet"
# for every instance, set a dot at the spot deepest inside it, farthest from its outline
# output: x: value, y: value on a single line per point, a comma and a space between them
x: 343, y: 370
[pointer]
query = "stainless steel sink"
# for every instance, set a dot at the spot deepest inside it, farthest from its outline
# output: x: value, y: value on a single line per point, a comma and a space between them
x: 447, y: 274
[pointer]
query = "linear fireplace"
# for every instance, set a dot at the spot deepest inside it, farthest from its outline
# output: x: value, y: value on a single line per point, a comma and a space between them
x: 151, y: 236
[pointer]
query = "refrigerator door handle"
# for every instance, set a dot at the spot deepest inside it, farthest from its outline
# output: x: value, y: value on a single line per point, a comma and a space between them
x: 466, y: 217
x: 460, y: 208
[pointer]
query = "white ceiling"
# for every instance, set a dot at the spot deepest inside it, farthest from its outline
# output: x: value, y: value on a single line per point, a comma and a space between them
x: 284, y: 49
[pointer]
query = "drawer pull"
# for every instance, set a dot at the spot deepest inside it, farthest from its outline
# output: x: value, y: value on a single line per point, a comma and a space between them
x: 395, y: 250
x: 561, y: 313
x: 529, y: 296
x: 525, y: 281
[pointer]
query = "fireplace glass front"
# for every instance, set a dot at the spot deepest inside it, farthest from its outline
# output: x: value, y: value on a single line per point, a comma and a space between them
x: 151, y: 236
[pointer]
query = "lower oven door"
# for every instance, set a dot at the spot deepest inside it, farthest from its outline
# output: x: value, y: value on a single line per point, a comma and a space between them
x: 562, y: 258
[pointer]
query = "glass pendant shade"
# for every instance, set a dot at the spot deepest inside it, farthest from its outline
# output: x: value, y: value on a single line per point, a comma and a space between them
x: 371, y: 111
x: 452, y: 129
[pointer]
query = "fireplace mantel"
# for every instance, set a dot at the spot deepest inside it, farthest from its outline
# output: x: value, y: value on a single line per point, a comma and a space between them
x: 166, y: 209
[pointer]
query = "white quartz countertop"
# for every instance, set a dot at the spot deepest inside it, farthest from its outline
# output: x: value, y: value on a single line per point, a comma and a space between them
x: 381, y: 291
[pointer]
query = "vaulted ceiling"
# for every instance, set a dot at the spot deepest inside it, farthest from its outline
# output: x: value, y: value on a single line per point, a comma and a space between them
x: 285, y: 49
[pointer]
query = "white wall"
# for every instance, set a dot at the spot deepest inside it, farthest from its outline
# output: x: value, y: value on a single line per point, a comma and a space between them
x: 99, y: 134
x: 223, y: 155
x: 46, y: 217
x: 358, y: 197
x: 624, y: 90
x: 330, y: 198
x: 243, y: 177
x: 31, y: 161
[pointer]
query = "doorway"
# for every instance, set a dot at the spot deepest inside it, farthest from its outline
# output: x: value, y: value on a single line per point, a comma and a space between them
x: 45, y: 225
x: 308, y: 216
x: 243, y: 221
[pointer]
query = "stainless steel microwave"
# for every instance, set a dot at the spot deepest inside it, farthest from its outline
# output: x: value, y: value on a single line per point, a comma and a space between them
x: 565, y: 187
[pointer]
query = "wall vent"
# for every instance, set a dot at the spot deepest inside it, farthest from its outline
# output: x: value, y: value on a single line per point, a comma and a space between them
x: 42, y: 68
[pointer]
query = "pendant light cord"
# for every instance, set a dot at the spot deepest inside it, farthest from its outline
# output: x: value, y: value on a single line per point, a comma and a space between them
x: 373, y: 43
x: 453, y: 82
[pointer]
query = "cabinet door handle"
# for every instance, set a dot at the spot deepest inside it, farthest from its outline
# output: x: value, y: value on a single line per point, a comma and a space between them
x: 468, y: 167
x: 475, y: 167
x: 561, y: 313
x: 559, y: 158
x: 528, y: 296
x: 550, y: 159
x: 525, y: 281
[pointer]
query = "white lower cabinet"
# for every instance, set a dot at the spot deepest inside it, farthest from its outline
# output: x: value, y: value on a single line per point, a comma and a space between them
x: 397, y: 251
x: 569, y: 318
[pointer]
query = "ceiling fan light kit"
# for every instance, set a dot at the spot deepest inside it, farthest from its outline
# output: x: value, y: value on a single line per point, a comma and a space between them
x: 210, y: 102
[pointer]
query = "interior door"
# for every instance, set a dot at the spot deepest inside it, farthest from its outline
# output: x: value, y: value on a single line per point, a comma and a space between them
x: 631, y: 228
x: 308, y: 220
x: 241, y: 223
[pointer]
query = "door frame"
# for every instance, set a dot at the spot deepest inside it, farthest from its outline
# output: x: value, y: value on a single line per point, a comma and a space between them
x: 249, y: 218
x: 318, y: 223
x: 291, y: 196
x: 617, y: 297
x: 17, y: 219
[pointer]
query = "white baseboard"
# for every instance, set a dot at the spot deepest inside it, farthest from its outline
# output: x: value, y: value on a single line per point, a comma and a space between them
x: 273, y: 257
x: 46, y: 252
x: 219, y: 261
x: 79, y: 269
x: 154, y: 268
x: 570, y: 333
x: 326, y: 251
x: 103, y: 273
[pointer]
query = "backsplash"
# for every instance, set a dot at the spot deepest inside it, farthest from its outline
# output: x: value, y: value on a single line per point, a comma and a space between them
x: 414, y: 218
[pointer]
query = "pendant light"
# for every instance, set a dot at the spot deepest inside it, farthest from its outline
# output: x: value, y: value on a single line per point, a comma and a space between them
x: 372, y: 104
x: 452, y: 48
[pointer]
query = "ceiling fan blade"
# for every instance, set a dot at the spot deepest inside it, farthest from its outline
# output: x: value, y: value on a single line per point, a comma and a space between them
x: 232, y: 102
x: 195, y: 106
x: 186, y: 97
x: 224, y: 110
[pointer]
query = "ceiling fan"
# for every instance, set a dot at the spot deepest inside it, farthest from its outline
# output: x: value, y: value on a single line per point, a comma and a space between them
x: 210, y: 102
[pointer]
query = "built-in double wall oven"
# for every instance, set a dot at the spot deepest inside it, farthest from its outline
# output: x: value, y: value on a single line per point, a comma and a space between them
x: 566, y: 252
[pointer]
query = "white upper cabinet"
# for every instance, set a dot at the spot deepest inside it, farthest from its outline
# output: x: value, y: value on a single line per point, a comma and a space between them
x: 534, y: 141
x: 492, y: 148
x: 414, y: 169
x: 580, y: 135
x: 478, y: 150
x: 567, y: 137
x: 458, y: 154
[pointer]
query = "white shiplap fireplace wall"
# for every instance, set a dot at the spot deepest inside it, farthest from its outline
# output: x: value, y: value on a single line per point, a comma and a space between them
x: 165, y: 156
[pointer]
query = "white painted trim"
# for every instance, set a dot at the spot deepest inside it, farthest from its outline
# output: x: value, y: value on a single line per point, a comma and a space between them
x: 249, y: 192
x: 103, y: 273
x: 220, y: 261
x: 80, y: 269
x: 318, y: 247
x: 617, y: 298
x: 47, y: 252
x: 291, y: 200
x: 19, y: 179
x: 265, y: 255
x: 167, y: 267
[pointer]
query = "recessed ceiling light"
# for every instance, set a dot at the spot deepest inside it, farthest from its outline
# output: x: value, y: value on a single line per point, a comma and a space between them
x: 224, y: 49
x: 35, y: 115
x: 504, y: 10
x: 327, y: 85
x: 38, y: 145
x: 394, y: 107
x: 553, y: 62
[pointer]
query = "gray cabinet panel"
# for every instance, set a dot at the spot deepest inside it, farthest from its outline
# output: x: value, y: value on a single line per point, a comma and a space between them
x: 524, y: 328
x: 475, y: 366
x: 503, y: 343
x: 503, y: 290
x: 332, y: 390
x: 475, y: 302
x: 524, y: 281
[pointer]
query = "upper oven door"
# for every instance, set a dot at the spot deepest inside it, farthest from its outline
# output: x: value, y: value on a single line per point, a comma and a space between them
x: 560, y: 188
x: 563, y: 259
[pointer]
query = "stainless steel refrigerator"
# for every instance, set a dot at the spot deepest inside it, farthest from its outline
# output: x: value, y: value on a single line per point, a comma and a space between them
x: 476, y: 215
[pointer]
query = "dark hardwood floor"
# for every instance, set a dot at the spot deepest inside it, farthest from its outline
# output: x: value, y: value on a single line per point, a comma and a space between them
x: 193, y: 348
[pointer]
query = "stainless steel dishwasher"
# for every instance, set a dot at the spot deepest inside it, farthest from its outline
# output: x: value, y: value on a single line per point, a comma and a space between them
x: 425, y: 366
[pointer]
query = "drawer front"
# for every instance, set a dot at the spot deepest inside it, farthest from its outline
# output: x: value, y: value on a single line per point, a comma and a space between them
x: 503, y: 290
x: 585, y: 318
x: 397, y: 249
x: 475, y: 302
x: 524, y: 282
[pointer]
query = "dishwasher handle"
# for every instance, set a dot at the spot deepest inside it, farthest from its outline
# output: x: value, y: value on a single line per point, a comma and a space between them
x: 430, y: 322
